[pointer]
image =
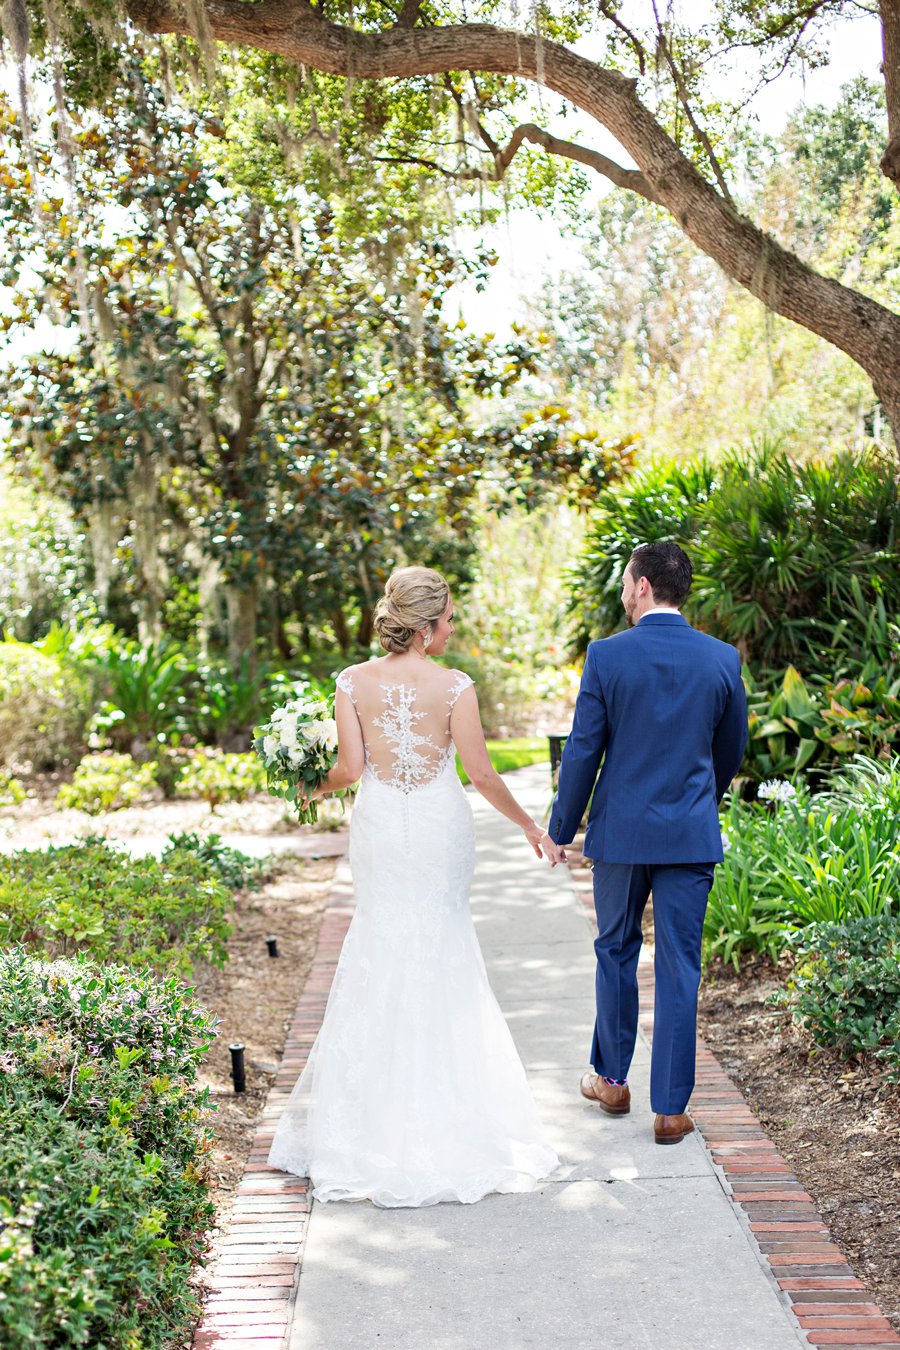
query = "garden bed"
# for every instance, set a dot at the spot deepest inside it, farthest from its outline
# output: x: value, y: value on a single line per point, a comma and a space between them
x: 254, y: 997
x: 833, y: 1120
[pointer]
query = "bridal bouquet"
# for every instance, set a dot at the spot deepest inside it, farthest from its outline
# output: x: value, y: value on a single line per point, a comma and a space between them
x: 298, y: 747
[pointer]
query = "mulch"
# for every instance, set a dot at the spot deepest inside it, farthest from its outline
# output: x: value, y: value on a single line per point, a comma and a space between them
x: 255, y: 996
x: 837, y: 1123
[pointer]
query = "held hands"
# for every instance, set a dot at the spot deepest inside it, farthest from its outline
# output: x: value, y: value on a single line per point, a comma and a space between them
x: 554, y: 852
x: 543, y: 845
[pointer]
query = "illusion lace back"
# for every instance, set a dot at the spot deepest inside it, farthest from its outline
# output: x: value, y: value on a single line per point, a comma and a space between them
x: 414, y: 1092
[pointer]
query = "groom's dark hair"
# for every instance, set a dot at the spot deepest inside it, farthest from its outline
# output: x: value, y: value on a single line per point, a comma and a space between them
x: 668, y: 569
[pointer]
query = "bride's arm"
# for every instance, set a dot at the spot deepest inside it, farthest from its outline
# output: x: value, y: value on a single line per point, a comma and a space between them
x: 351, y: 749
x: 468, y: 737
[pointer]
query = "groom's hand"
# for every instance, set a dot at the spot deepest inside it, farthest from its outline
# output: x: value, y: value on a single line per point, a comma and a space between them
x: 553, y: 852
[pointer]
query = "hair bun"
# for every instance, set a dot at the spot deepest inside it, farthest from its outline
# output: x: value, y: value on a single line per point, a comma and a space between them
x: 414, y: 598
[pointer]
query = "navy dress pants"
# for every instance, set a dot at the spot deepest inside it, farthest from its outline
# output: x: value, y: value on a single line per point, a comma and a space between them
x: 680, y: 895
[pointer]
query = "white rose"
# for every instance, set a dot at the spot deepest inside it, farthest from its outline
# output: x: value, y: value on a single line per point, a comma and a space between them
x: 315, y: 732
x: 331, y: 739
x: 296, y: 757
x: 270, y: 745
x: 288, y: 735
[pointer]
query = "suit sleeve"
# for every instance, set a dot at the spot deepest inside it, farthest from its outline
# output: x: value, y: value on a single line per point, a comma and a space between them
x: 730, y: 735
x: 581, y: 757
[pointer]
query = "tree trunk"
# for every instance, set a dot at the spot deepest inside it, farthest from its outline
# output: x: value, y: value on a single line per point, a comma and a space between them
x: 868, y: 332
x: 241, y: 605
x: 366, y: 627
x: 341, y: 631
x: 890, y: 38
x: 143, y: 494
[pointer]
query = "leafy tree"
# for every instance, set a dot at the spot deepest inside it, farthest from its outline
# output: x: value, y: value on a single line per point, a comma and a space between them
x: 251, y: 380
x: 665, y: 342
x: 649, y: 89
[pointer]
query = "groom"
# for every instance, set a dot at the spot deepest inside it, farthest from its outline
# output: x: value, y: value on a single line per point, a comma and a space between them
x: 663, y: 707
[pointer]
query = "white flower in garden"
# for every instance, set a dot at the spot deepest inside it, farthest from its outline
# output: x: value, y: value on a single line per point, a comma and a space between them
x: 726, y: 841
x: 776, y: 791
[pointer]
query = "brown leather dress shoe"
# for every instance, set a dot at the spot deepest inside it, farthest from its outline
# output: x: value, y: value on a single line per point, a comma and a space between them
x: 672, y: 1129
x: 615, y: 1101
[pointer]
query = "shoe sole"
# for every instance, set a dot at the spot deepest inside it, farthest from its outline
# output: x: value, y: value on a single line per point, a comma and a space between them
x: 672, y: 1138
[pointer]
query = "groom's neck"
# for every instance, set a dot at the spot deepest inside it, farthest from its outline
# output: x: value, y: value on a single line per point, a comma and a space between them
x: 658, y: 609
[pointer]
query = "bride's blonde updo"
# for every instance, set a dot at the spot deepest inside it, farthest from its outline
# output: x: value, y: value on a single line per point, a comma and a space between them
x: 414, y: 598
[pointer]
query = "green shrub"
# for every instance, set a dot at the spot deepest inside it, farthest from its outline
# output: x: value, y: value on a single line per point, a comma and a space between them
x: 793, y: 861
x: 845, y: 988
x: 226, y: 705
x: 218, y: 777
x: 12, y: 793
x: 791, y: 558
x: 802, y: 726
x: 107, y: 782
x: 234, y: 869
x: 98, y: 899
x: 44, y: 707
x: 144, y: 692
x: 43, y: 562
x: 104, y: 1143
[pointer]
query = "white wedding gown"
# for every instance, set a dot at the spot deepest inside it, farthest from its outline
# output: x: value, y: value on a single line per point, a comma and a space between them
x: 414, y: 1092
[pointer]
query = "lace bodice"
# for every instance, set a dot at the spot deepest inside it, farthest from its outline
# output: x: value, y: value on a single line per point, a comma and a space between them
x: 406, y: 727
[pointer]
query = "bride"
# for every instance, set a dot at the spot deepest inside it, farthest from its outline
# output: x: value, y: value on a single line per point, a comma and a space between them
x: 414, y: 1092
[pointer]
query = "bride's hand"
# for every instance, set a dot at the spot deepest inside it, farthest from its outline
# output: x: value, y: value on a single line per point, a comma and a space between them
x: 533, y: 832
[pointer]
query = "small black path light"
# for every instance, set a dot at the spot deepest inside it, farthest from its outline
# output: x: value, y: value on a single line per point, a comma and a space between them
x: 272, y: 944
x: 237, y: 1066
x: 556, y: 749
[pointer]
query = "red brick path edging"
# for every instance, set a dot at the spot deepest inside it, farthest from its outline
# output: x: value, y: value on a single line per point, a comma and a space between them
x: 832, y: 1306
x: 253, y: 1283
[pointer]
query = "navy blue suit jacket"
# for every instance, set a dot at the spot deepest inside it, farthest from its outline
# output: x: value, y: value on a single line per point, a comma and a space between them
x: 663, y: 706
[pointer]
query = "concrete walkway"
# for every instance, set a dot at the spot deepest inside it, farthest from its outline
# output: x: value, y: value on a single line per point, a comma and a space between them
x: 629, y: 1245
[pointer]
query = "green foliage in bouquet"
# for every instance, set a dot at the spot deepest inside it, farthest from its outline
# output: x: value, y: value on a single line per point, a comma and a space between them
x: 107, y: 781
x: 235, y: 869
x: 91, y: 897
x: 845, y: 988
x: 105, y: 1189
x: 218, y: 777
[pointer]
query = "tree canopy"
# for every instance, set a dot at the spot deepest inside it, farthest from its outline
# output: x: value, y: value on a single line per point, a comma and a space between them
x: 649, y: 88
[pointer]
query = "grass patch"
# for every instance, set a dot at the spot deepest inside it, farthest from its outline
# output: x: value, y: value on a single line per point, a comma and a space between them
x: 513, y: 754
